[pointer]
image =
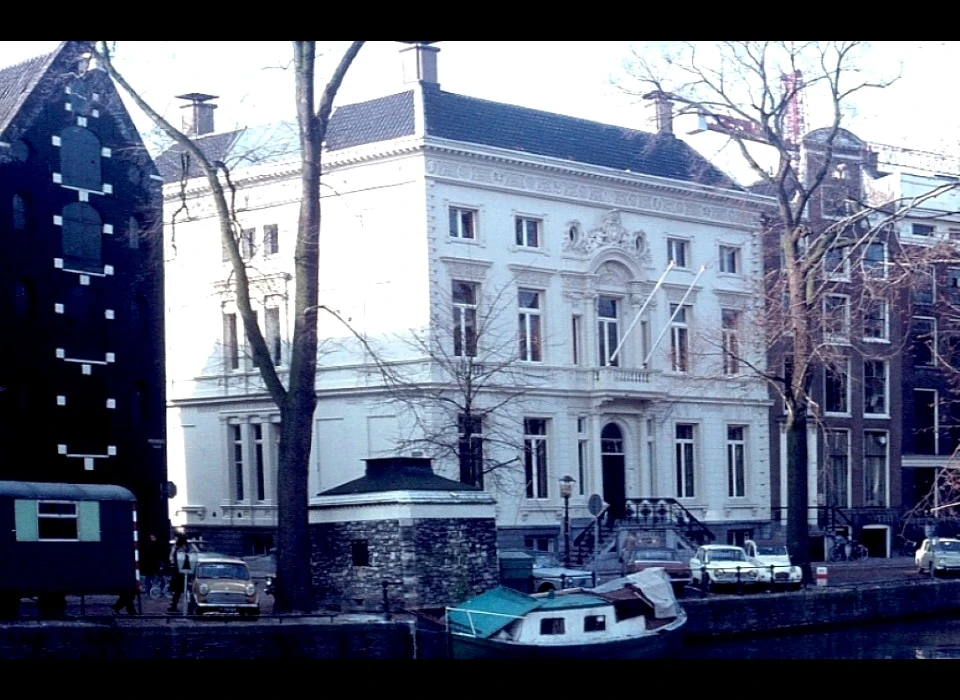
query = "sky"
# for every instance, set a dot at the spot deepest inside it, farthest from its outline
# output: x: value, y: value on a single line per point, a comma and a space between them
x: 573, y: 78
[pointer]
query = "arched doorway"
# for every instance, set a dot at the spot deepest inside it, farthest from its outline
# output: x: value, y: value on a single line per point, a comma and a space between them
x: 614, y: 475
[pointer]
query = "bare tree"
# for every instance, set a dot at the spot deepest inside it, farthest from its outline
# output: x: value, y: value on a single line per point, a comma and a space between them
x: 819, y: 225
x: 297, y: 399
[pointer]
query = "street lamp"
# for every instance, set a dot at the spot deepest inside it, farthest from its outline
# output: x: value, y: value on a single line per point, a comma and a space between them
x: 566, y: 490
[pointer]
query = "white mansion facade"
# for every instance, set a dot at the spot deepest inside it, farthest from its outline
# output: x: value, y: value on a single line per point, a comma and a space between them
x: 520, y: 254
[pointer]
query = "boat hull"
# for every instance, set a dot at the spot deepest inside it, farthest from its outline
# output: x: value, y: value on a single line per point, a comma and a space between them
x: 661, y: 644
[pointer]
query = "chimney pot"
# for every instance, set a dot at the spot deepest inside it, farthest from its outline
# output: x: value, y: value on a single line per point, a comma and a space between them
x: 420, y: 63
x: 662, y: 117
x: 198, y: 119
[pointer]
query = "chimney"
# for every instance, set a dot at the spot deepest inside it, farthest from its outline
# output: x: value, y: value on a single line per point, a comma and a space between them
x: 420, y: 62
x: 198, y: 119
x: 662, y: 111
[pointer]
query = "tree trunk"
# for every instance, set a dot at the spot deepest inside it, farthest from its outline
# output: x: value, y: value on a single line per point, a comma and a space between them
x: 798, y: 534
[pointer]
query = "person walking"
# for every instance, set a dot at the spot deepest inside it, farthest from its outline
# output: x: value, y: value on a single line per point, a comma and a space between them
x: 177, y: 579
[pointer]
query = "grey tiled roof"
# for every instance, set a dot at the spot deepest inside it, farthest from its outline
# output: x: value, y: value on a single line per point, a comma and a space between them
x: 473, y: 121
x: 398, y: 474
x: 17, y: 81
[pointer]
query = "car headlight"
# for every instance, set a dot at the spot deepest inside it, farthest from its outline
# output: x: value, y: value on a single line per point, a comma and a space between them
x: 204, y: 589
x: 752, y: 573
x: 251, y: 589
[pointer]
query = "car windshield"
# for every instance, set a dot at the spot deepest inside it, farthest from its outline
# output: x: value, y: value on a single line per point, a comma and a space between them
x: 655, y: 555
x: 234, y: 571
x: 948, y: 546
x: 771, y: 551
x: 726, y: 555
x: 545, y: 561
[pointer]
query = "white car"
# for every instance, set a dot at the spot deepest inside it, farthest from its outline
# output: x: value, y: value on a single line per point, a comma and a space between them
x: 716, y: 565
x: 778, y: 570
x: 938, y: 556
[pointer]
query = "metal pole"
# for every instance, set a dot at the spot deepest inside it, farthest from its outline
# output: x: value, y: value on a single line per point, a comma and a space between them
x: 613, y: 355
x: 673, y: 316
x: 566, y: 530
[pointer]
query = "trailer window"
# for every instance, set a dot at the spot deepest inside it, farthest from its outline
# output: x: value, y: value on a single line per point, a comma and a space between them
x: 57, y: 520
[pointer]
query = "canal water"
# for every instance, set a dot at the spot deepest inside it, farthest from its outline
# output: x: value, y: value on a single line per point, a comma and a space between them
x: 930, y: 638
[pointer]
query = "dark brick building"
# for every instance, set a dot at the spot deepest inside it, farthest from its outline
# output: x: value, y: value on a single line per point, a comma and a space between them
x: 81, y: 285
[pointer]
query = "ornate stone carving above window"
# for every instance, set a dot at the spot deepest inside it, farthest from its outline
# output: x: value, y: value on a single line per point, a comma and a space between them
x: 470, y: 270
x: 610, y: 232
x: 530, y: 276
x: 613, y: 275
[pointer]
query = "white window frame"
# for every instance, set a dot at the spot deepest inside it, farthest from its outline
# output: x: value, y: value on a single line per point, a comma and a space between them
x: 680, y: 339
x: 884, y: 436
x: 576, y: 338
x: 536, y: 462
x: 828, y: 455
x: 604, y: 325
x: 530, y: 326
x: 257, y: 437
x: 934, y: 355
x: 884, y: 307
x: 583, y: 455
x: 685, y: 461
x: 929, y: 272
x: 75, y: 517
x: 930, y: 234
x: 465, y: 317
x: 830, y: 335
x: 730, y: 342
x: 238, y: 463
x: 842, y: 274
x: 867, y: 392
x: 871, y: 272
x: 457, y: 230
x: 737, y: 462
x: 846, y: 381
x: 524, y: 237
x: 731, y: 257
x: 678, y: 250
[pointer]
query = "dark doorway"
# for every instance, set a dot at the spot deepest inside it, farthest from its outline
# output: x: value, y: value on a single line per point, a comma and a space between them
x: 614, y: 475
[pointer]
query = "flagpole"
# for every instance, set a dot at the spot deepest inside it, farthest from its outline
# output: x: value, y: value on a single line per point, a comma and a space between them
x: 613, y: 355
x: 673, y: 315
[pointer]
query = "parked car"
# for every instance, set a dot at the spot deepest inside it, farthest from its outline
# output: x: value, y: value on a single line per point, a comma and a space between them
x: 938, y: 556
x: 723, y: 565
x: 650, y: 557
x: 223, y: 584
x: 550, y: 575
x: 778, y: 571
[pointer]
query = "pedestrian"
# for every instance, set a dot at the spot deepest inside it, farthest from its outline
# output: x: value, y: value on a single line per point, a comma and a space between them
x: 177, y: 579
x: 154, y: 557
x: 125, y: 600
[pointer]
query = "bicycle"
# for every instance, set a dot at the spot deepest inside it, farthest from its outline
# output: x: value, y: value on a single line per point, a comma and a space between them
x: 849, y: 551
x: 907, y: 548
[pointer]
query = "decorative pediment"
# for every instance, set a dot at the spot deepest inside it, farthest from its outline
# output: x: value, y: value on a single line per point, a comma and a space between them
x: 609, y: 233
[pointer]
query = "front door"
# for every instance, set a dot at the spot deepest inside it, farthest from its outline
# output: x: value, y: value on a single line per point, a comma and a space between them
x: 614, y: 473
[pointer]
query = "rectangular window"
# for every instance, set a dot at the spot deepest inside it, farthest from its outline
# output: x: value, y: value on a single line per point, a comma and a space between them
x: 583, y: 446
x: 679, y: 339
x: 248, y: 242
x: 463, y: 223
x: 876, y: 325
x: 528, y: 232
x: 535, y: 457
x: 608, y: 333
x: 57, y: 521
x: 594, y: 623
x: 530, y: 346
x: 923, y: 335
x: 575, y: 340
x: 875, y: 260
x: 231, y: 350
x: 953, y: 281
x: 837, y: 488
x: 730, y: 325
x: 730, y: 259
x: 836, y: 388
x: 924, y: 287
x: 552, y: 625
x: 875, y: 469
x: 236, y: 438
x: 464, y: 319
x: 470, y: 449
x: 538, y: 544
x: 271, y: 239
x: 836, y: 262
x: 684, y: 447
x: 677, y: 251
x: 736, y: 462
x: 257, y: 429
x: 925, y: 422
x: 875, y: 388
x: 924, y: 230
x: 272, y: 333
x: 836, y: 317
x: 360, y: 553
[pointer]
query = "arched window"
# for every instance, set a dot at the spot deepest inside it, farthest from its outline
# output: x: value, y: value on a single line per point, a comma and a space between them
x: 133, y: 232
x: 611, y: 440
x: 19, y: 213
x: 80, y: 159
x: 82, y: 238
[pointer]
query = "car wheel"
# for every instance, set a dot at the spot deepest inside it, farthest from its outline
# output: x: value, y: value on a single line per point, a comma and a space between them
x: 546, y: 588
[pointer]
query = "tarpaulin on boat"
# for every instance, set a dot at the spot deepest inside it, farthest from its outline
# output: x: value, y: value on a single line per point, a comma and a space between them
x: 653, y: 585
x: 490, y: 612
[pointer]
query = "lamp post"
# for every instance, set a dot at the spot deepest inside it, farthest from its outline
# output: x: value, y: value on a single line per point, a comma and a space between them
x: 566, y: 490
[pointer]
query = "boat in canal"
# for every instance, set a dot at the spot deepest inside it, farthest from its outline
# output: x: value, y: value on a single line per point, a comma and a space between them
x: 636, y: 616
